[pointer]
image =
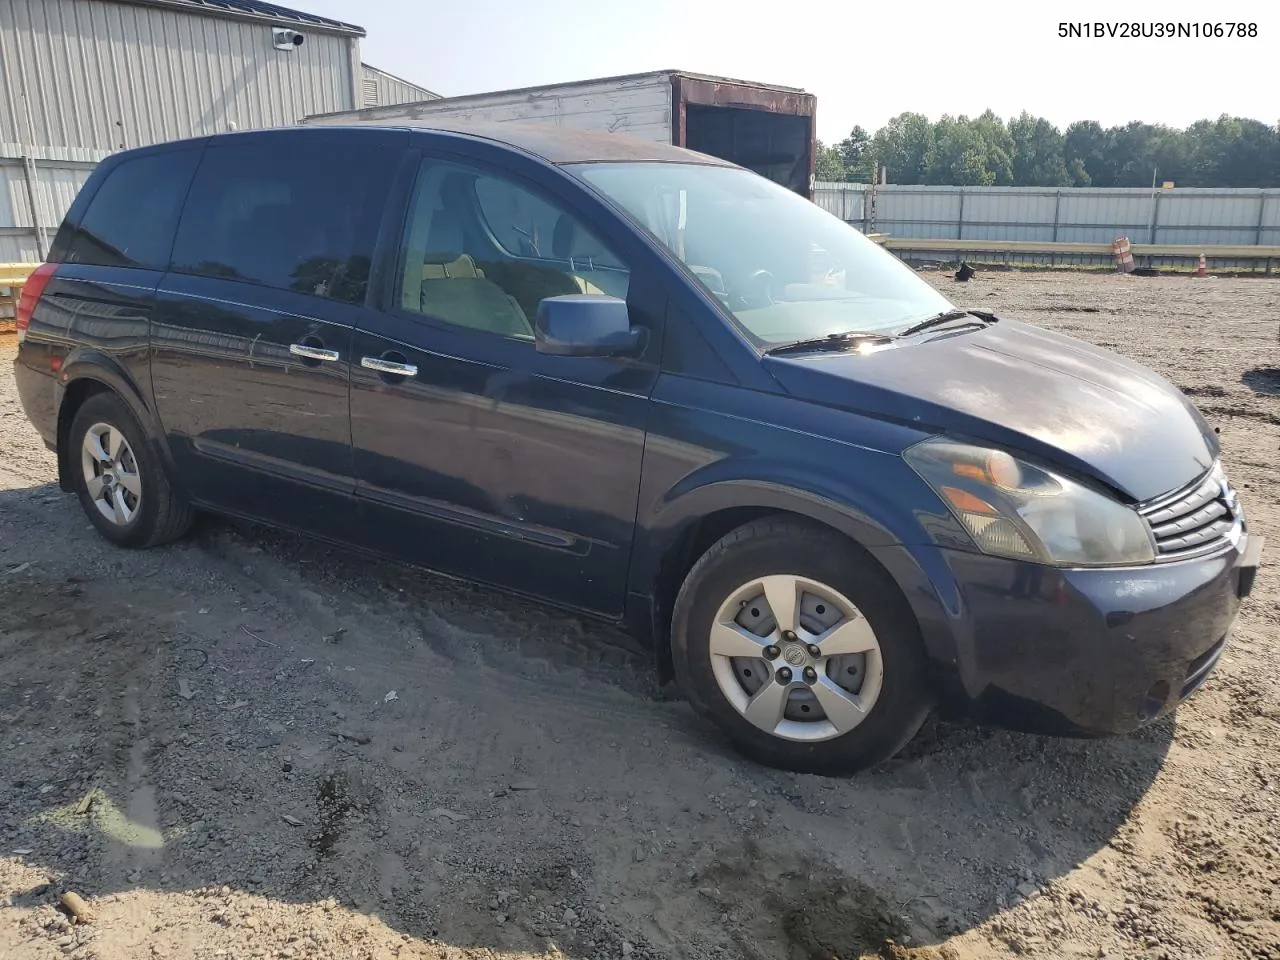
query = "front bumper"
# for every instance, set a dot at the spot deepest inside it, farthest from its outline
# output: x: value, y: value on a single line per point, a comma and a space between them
x: 1089, y: 652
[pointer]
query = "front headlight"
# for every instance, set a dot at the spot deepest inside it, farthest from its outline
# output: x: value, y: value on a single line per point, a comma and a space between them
x: 1014, y: 509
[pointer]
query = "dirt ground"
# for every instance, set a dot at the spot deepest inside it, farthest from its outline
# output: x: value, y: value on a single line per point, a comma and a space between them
x: 250, y: 745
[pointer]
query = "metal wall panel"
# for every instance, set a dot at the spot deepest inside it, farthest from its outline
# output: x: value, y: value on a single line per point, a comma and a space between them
x: 15, y: 206
x: 1222, y: 207
x: 381, y: 89
x: 1271, y: 210
x: 55, y: 186
x: 18, y: 248
x: 1006, y: 215
x: 931, y: 212
x: 844, y: 200
x: 1066, y: 215
x: 1269, y: 215
x: 80, y: 79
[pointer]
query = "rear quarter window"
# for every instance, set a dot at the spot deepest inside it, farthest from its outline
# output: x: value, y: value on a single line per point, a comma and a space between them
x: 302, y: 218
x: 130, y: 221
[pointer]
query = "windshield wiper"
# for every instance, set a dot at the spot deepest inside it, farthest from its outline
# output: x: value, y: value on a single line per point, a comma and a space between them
x: 945, y: 317
x: 832, y: 341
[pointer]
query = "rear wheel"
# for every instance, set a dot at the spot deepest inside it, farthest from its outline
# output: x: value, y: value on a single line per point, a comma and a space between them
x: 121, y: 483
x: 801, y: 648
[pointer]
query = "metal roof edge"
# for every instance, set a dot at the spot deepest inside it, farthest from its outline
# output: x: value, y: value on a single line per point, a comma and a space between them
x: 567, y: 84
x: 269, y: 13
x: 711, y: 78
x: 399, y: 79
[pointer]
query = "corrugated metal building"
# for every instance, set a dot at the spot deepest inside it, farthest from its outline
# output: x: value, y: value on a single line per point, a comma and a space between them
x: 80, y: 79
x: 382, y: 89
x: 84, y: 78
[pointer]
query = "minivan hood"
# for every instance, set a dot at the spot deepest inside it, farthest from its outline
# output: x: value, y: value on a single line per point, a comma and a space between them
x: 1023, y: 388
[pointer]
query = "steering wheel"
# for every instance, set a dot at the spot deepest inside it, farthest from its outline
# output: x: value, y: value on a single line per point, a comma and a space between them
x: 758, y: 290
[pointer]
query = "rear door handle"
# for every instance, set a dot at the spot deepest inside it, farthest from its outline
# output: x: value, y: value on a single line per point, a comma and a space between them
x: 389, y: 367
x: 312, y: 353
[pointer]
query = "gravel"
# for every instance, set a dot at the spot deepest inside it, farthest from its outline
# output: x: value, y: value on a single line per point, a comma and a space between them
x: 528, y: 793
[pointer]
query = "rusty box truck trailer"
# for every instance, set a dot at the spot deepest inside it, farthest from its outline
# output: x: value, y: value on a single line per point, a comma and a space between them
x: 763, y: 127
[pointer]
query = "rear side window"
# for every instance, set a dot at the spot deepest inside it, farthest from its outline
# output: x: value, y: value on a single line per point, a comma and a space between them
x: 131, y: 219
x: 299, y: 218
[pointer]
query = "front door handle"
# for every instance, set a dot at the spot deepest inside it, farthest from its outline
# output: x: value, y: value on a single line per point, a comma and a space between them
x: 308, y: 352
x: 389, y: 367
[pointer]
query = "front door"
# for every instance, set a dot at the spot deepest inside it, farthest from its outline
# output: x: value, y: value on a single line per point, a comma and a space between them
x: 475, y: 454
x: 253, y: 326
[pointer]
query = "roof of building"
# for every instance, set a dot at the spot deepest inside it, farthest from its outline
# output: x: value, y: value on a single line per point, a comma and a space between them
x: 408, y: 83
x: 259, y: 11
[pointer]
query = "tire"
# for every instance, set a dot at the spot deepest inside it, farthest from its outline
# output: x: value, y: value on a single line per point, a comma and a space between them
x: 838, y: 592
x: 132, y: 504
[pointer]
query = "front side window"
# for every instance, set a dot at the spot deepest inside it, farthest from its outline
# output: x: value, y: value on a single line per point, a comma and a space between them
x: 132, y: 217
x: 300, y: 220
x: 784, y: 268
x: 480, y: 251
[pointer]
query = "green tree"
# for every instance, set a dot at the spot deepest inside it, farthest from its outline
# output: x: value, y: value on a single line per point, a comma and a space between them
x: 905, y: 146
x: 1085, y: 148
x: 1133, y: 153
x: 974, y: 152
x: 1252, y: 155
x: 1232, y: 152
x: 1170, y: 155
x: 1038, y: 157
x: 998, y: 144
x: 1030, y: 151
x: 1204, y: 152
x: 857, y: 155
x: 828, y: 164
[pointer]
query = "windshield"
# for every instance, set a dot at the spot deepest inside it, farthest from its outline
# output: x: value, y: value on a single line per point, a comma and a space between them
x: 785, y: 268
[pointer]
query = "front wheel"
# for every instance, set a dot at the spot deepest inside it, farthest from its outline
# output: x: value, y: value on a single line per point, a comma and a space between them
x: 801, y: 648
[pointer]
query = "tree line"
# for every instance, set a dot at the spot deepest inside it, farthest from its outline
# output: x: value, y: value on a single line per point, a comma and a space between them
x: 1030, y: 151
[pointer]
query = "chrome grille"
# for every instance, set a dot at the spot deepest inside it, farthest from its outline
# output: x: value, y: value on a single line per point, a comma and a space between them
x: 1196, y: 520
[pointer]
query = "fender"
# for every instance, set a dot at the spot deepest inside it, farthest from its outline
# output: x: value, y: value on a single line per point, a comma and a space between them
x: 91, y: 363
x: 904, y: 540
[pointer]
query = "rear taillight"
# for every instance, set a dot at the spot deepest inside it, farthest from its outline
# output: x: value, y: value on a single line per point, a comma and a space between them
x: 31, y: 293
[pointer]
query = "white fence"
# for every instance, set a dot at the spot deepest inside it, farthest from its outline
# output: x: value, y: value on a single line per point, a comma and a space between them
x: 1050, y: 215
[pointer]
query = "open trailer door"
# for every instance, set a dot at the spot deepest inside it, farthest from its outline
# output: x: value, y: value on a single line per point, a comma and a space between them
x: 770, y: 130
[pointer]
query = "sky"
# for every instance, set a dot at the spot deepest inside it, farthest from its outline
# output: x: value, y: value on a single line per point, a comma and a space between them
x: 866, y: 62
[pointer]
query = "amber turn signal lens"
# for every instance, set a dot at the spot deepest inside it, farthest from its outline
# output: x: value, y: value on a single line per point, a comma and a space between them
x: 966, y: 502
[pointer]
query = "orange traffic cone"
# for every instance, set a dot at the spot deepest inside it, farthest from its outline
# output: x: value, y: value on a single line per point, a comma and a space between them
x: 1200, y: 269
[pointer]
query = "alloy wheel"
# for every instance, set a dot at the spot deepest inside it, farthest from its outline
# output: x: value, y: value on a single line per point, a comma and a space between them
x: 111, y: 473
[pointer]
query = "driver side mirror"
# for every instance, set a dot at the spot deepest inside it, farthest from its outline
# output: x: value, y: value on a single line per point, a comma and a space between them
x: 586, y: 325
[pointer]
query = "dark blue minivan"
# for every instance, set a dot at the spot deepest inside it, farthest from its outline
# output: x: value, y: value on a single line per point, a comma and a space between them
x: 653, y: 387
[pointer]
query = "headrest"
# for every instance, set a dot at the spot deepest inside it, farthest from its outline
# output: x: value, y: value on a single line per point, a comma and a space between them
x: 440, y: 266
